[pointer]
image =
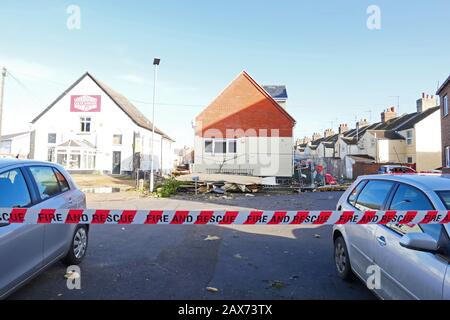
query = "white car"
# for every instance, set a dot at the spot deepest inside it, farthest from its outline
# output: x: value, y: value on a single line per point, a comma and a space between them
x: 413, y: 261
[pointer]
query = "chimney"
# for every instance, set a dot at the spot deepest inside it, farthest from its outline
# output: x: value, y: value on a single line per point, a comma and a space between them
x: 316, y: 136
x: 328, y: 133
x: 362, y: 123
x: 389, y: 114
x: 426, y: 102
x: 343, y: 128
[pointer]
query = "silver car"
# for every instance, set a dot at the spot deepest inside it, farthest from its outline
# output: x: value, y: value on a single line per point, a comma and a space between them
x: 412, y: 261
x: 26, y: 250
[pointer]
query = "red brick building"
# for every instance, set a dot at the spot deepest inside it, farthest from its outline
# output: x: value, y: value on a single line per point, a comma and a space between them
x: 444, y: 93
x: 245, y: 131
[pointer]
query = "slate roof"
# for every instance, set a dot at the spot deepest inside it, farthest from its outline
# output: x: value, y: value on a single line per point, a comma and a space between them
x: 277, y: 92
x: 419, y: 117
x: 350, y: 140
x: 123, y: 103
x: 387, y: 134
x: 362, y: 158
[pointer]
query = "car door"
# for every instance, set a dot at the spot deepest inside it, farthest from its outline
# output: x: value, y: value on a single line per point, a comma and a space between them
x: 21, y: 246
x: 54, y: 193
x: 405, y: 273
x: 361, y: 238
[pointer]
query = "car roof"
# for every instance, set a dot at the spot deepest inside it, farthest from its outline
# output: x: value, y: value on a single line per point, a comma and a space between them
x: 425, y: 181
x: 5, y: 163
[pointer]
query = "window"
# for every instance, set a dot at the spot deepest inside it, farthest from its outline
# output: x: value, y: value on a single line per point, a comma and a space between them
x: 445, y: 105
x: 14, y: 191
x: 117, y: 140
x: 61, y: 158
x: 5, y: 147
x: 209, y: 146
x: 353, y: 196
x: 374, y: 195
x: 220, y: 147
x: 63, y: 184
x: 409, y: 160
x: 74, y: 160
x: 51, y: 138
x: 408, y: 198
x: 46, y: 182
x: 51, y: 154
x: 447, y: 157
x: 445, y: 197
x: 409, y: 137
x: 232, y: 146
x: 85, y: 124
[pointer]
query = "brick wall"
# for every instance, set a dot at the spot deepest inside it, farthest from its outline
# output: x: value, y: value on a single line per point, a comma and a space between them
x: 445, y: 123
x: 244, y: 105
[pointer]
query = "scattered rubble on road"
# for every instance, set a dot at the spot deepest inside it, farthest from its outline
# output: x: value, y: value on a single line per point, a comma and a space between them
x: 276, y: 284
x: 212, y: 289
x: 223, y: 184
x: 212, y: 238
x: 220, y: 183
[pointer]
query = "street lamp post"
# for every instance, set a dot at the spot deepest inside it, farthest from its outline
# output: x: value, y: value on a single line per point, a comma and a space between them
x: 156, y: 63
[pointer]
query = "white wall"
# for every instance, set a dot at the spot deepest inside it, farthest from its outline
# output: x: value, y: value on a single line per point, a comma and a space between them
x: 368, y: 145
x: 265, y: 156
x: 20, y: 145
x: 428, y: 136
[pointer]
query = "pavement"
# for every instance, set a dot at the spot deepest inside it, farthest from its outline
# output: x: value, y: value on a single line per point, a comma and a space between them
x: 176, y: 262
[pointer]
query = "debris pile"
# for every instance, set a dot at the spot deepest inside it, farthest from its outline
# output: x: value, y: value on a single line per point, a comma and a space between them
x: 219, y: 184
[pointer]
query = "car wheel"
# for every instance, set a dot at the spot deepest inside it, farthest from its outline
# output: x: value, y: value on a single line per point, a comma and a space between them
x: 78, y: 246
x: 342, y: 259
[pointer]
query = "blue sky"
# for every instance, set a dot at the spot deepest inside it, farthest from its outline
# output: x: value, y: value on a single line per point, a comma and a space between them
x: 334, y: 67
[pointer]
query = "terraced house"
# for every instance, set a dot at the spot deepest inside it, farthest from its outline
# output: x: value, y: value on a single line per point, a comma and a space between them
x: 413, y: 139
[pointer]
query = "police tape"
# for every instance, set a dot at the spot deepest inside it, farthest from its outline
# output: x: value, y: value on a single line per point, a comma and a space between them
x: 159, y: 217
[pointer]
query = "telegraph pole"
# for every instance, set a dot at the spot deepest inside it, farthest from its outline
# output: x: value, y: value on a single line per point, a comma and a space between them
x: 2, y: 89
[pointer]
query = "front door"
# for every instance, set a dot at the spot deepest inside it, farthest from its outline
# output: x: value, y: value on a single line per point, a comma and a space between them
x: 117, y: 159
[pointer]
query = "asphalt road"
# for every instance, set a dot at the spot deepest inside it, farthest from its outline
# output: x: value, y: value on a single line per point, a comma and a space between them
x: 176, y: 262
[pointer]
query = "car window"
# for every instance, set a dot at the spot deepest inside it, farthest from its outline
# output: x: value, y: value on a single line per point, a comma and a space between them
x: 374, y: 194
x: 63, y: 184
x: 14, y: 192
x: 445, y: 197
x: 353, y: 196
x: 46, y: 181
x: 408, y: 198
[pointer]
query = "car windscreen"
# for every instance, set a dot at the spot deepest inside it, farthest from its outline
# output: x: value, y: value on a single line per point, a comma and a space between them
x: 445, y: 197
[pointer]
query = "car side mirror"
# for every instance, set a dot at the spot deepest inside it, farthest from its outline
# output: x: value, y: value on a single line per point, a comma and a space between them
x: 419, y: 242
